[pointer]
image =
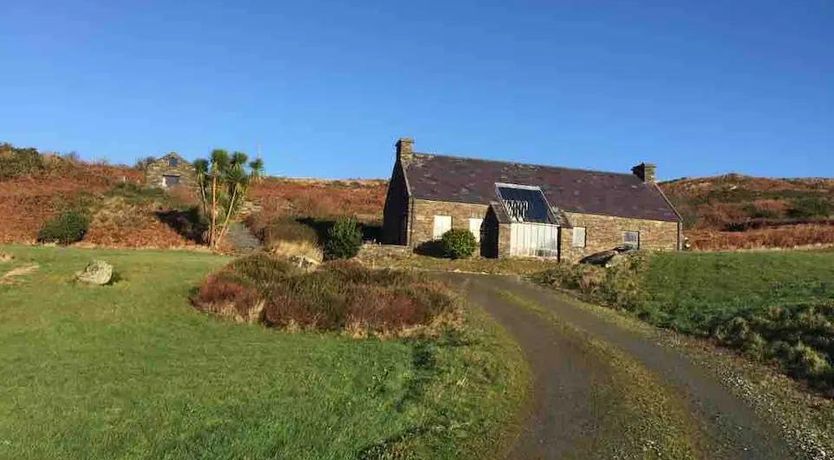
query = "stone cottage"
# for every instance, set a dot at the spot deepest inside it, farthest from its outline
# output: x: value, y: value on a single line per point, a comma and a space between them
x: 169, y: 171
x: 520, y: 210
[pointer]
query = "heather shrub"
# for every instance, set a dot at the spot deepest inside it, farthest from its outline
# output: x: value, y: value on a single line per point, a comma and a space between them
x: 66, y: 228
x: 340, y: 296
x: 458, y: 243
x: 343, y: 240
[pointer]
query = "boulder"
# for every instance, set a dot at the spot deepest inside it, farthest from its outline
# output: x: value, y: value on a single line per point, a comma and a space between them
x: 96, y: 272
x: 6, y: 257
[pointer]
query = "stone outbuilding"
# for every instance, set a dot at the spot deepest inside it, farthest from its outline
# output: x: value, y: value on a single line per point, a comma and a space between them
x: 169, y: 171
x: 525, y: 210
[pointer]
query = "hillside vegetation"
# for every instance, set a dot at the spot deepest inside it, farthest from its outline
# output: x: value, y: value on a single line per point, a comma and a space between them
x: 774, y: 306
x: 742, y: 212
x: 294, y: 215
x: 36, y: 187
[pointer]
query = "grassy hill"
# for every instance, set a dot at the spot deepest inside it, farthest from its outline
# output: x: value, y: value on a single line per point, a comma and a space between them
x: 720, y: 213
x: 741, y: 212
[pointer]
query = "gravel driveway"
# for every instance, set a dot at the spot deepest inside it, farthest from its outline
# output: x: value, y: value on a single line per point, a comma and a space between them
x: 603, y: 391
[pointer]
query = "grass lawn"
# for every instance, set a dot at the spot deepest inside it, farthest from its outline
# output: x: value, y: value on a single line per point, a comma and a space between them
x: 131, y: 370
x: 691, y: 290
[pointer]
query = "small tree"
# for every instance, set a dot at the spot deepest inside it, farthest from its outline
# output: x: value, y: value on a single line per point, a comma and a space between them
x: 458, y: 243
x: 223, y: 181
x: 343, y: 239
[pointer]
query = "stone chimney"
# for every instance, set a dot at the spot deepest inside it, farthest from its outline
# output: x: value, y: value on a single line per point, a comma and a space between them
x: 647, y: 172
x: 405, y: 148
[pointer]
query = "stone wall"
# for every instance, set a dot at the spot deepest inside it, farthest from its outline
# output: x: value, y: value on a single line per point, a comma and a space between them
x: 156, y: 170
x: 395, y: 219
x: 606, y: 232
x: 423, y: 212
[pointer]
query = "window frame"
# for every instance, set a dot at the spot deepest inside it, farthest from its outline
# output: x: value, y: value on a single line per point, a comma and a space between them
x: 173, y: 162
x: 627, y: 243
x: 584, y: 237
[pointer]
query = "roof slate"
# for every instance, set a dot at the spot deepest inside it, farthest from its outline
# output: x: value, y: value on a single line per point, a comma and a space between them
x: 470, y: 180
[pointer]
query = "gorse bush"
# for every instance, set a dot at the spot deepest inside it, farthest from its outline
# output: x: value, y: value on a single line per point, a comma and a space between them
x: 343, y: 240
x: 66, y: 228
x: 16, y: 162
x: 458, y: 243
x: 342, y: 296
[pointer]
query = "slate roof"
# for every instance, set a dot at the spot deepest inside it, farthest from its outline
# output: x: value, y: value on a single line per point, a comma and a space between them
x: 470, y: 180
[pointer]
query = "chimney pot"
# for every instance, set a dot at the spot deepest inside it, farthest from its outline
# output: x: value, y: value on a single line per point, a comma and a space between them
x: 405, y: 148
x: 647, y: 172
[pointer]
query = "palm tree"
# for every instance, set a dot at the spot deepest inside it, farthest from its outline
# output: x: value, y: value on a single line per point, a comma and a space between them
x: 257, y: 167
x: 223, y: 181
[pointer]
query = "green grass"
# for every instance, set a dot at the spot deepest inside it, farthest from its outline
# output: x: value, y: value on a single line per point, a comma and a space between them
x: 131, y: 370
x: 691, y: 291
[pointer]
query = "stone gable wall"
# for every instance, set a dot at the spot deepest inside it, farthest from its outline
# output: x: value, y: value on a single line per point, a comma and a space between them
x: 606, y: 232
x: 159, y: 168
x: 395, y: 219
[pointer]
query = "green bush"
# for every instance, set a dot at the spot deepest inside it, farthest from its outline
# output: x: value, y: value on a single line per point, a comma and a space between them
x: 810, y: 207
x: 343, y: 240
x: 66, y: 228
x: 458, y: 243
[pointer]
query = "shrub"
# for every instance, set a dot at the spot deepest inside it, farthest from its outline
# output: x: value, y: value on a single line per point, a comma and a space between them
x: 343, y: 240
x: 458, y: 243
x: 16, y: 162
x: 809, y: 207
x: 288, y: 229
x: 341, y: 296
x: 68, y: 227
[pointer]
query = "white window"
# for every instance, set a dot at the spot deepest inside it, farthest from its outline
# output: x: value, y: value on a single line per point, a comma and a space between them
x: 631, y: 239
x: 578, y: 237
x: 442, y: 224
x: 475, y: 228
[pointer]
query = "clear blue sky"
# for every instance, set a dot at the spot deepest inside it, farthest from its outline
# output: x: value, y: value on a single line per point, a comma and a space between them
x: 325, y: 88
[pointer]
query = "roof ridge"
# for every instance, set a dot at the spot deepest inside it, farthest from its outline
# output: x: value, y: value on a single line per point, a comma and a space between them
x: 456, y: 157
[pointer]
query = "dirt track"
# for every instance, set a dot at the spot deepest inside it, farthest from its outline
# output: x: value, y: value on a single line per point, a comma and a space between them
x: 602, y: 391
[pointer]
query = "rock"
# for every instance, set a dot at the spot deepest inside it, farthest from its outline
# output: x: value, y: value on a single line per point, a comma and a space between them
x: 599, y: 258
x: 6, y: 257
x: 97, y: 272
x: 305, y: 263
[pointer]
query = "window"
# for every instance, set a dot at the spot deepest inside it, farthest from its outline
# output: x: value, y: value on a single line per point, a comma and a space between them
x: 442, y: 224
x: 170, y: 181
x: 173, y: 162
x: 631, y: 239
x: 578, y: 237
x: 475, y: 228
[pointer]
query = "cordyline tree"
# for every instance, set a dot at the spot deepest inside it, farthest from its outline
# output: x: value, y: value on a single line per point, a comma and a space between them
x: 223, y: 181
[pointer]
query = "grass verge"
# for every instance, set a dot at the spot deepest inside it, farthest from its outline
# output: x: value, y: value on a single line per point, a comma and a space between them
x: 805, y: 419
x: 132, y: 371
